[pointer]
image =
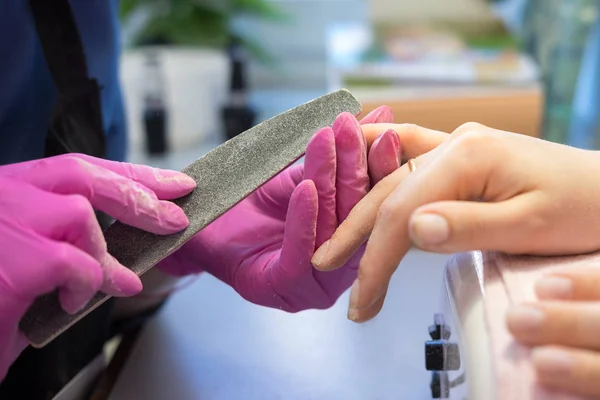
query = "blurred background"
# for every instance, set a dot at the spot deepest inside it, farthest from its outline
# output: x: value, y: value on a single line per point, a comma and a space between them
x: 197, y: 72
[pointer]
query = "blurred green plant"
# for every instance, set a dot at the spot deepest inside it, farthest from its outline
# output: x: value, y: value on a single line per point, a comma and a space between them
x: 205, y: 23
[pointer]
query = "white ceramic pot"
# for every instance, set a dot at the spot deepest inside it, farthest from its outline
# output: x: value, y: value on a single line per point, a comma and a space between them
x: 196, y: 82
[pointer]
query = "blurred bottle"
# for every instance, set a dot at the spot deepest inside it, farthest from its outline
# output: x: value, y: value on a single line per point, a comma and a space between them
x: 557, y: 33
x: 237, y: 115
x: 155, y: 111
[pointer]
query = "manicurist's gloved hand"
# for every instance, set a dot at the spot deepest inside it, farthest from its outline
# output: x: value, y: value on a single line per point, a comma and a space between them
x: 50, y: 238
x: 263, y: 246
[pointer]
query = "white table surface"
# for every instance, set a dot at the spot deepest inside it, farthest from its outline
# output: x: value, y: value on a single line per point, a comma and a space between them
x: 208, y: 343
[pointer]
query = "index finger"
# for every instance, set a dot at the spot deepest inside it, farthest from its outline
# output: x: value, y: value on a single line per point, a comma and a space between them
x: 166, y: 184
x: 415, y: 139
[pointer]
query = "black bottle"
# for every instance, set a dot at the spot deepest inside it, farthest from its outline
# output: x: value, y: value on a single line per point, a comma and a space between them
x: 155, y: 112
x: 237, y: 115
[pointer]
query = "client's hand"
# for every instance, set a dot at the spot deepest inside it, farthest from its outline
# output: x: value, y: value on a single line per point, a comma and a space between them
x: 563, y: 328
x: 479, y: 189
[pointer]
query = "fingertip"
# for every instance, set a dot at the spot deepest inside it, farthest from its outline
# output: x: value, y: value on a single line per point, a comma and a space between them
x: 173, y: 219
x: 119, y: 280
x: 346, y: 123
x: 172, y: 184
x: 320, y: 155
x: 365, y: 314
x: 184, y: 181
x: 299, y: 234
x: 429, y: 230
x: 322, y: 136
x: 384, y: 155
x: 305, y: 193
x: 382, y: 114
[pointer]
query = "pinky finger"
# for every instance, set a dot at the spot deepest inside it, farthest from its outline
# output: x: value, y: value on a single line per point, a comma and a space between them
x: 569, y: 370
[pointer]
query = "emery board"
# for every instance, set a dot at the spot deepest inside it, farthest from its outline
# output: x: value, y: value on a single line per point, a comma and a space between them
x: 224, y: 176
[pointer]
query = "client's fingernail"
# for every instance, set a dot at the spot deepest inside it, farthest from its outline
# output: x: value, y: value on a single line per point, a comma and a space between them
x: 319, y: 256
x: 429, y: 229
x: 353, y: 304
x: 525, y: 318
x: 554, y: 287
x: 552, y: 361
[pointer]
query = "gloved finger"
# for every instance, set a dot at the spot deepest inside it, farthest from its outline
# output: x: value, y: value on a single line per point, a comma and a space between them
x: 293, y: 274
x: 277, y: 191
x: 459, y: 226
x: 352, y: 179
x: 320, y: 167
x: 384, y: 156
x: 122, y: 198
x: 579, y: 284
x: 573, y: 324
x: 415, y: 139
x: 382, y: 114
x: 56, y: 265
x: 166, y: 184
x: 568, y: 370
x: 71, y: 219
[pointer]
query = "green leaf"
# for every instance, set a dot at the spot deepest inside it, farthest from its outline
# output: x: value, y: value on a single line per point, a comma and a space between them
x: 200, y: 22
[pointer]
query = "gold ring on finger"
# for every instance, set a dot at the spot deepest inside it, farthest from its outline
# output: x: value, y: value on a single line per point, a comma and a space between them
x: 412, y: 165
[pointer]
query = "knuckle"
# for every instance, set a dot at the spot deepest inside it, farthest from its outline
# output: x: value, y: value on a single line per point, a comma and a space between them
x: 470, y: 144
x: 469, y: 127
x: 387, y: 210
x: 80, y: 207
x: 73, y: 161
x: 78, y: 168
x: 62, y: 255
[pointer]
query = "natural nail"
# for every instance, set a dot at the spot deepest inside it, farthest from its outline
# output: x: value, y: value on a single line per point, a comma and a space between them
x: 319, y: 257
x: 354, y: 298
x: 525, y: 318
x: 552, y: 361
x: 429, y: 229
x: 554, y: 287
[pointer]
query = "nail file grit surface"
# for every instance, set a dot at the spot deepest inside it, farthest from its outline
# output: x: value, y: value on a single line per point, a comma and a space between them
x: 224, y: 176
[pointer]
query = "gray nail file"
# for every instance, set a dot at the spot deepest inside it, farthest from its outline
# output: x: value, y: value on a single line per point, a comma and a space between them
x: 224, y: 176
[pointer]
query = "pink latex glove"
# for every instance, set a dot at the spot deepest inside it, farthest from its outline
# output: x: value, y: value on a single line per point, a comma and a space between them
x: 50, y: 238
x: 263, y: 246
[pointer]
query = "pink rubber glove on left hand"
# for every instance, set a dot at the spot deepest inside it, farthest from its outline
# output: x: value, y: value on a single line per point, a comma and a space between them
x: 263, y: 246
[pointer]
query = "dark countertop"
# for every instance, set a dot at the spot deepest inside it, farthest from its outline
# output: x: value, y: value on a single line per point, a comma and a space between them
x: 208, y: 343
